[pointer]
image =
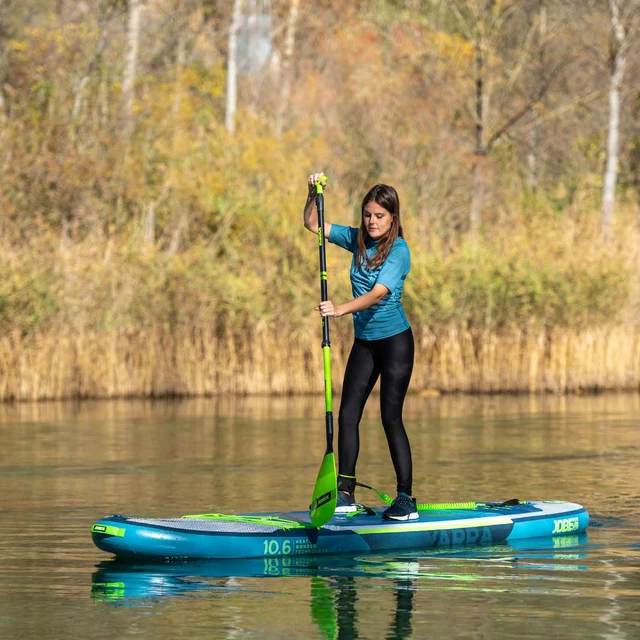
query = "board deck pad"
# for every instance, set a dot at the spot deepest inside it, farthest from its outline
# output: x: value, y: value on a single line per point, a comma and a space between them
x: 220, y: 536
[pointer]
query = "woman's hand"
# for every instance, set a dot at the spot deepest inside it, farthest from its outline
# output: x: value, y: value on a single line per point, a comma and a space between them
x: 328, y: 310
x: 310, y: 209
x: 361, y: 303
x: 313, y: 179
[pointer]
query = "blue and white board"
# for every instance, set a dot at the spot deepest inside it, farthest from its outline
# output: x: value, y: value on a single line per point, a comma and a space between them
x: 217, y: 536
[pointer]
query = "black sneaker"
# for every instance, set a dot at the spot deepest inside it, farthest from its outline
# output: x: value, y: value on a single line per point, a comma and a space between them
x: 403, y: 508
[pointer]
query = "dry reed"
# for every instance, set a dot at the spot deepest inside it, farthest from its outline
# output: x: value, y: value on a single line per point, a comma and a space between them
x: 213, y: 361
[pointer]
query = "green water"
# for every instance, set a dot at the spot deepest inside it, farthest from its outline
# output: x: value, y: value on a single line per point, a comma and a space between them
x: 62, y: 465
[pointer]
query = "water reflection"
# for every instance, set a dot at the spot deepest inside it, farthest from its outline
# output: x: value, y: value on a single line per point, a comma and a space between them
x: 335, y: 582
x: 335, y: 613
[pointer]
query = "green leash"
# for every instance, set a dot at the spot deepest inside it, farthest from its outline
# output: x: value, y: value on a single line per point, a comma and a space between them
x: 445, y: 506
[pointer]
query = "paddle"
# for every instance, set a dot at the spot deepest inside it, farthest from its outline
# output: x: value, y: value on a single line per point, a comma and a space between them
x: 325, y: 492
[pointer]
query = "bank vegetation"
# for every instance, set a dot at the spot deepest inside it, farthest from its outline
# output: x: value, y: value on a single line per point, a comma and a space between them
x: 154, y: 159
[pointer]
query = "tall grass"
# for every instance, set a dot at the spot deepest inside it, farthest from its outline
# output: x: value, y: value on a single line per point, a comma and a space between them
x: 206, y: 361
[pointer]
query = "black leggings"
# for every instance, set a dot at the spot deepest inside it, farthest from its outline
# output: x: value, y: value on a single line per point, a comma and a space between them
x: 391, y: 359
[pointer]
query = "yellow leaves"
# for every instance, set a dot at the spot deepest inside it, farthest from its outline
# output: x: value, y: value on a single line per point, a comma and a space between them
x: 18, y: 45
x: 213, y: 87
x: 190, y: 78
x: 451, y: 47
x: 256, y: 158
x: 207, y: 82
x: 48, y: 52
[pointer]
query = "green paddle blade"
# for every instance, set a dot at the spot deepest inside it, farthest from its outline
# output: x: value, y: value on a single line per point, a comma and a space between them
x: 325, y: 493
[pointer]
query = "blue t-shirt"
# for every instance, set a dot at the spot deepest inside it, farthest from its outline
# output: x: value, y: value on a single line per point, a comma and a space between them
x: 386, y: 318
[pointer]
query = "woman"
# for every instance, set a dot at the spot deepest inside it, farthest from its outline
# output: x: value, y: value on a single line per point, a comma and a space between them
x: 383, y: 346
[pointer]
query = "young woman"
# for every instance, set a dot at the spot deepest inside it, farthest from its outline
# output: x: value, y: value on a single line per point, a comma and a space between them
x: 383, y: 346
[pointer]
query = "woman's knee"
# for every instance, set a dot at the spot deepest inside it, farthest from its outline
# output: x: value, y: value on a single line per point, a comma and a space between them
x: 392, y: 419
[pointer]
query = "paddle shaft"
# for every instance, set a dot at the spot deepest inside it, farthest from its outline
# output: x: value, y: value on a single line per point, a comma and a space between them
x: 325, y: 492
x: 324, y: 296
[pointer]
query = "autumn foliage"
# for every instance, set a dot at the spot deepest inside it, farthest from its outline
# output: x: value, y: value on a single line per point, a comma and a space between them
x: 182, y: 228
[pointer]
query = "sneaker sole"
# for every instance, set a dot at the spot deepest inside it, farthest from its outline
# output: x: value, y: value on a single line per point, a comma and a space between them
x: 409, y: 516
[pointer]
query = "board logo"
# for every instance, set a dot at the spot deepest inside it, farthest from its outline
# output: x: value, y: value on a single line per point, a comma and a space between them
x: 565, y: 525
x: 98, y: 528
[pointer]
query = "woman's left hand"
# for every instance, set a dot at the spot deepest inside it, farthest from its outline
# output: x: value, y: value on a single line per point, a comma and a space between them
x: 328, y: 310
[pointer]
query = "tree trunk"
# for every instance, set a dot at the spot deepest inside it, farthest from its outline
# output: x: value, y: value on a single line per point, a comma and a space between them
x: 179, y: 232
x: 481, y: 178
x: 8, y: 31
x: 532, y: 155
x: 81, y: 83
x: 131, y: 61
x: 289, y: 47
x: 180, y: 62
x: 533, y: 138
x: 478, y: 181
x: 149, y: 224
x: 232, y: 68
x: 617, y: 62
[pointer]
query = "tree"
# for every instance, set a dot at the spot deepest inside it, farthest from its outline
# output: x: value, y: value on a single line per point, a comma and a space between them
x: 106, y: 13
x: 131, y: 61
x: 232, y: 68
x: 503, y: 46
x: 533, y: 163
x: 10, y: 19
x: 289, y: 46
x: 623, y: 17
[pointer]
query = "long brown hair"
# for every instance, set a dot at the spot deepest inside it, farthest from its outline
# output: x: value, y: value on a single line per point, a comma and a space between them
x: 387, y: 198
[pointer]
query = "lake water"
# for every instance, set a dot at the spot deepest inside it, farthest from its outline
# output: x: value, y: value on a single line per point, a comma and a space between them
x: 63, y: 465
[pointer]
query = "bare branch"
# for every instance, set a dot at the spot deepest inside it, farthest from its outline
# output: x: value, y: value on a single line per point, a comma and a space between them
x: 536, y: 97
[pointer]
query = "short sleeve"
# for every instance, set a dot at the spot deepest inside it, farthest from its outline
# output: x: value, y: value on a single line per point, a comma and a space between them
x: 345, y: 237
x: 395, y: 267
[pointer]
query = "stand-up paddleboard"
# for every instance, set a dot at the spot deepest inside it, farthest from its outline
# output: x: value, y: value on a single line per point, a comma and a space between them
x: 220, y: 536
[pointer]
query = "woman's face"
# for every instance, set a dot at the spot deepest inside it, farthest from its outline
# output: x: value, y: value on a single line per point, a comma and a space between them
x: 377, y: 220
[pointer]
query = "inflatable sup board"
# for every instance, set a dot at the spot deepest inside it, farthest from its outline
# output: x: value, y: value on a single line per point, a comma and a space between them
x: 220, y: 536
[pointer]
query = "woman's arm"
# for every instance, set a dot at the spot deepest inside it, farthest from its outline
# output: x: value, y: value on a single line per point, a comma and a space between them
x: 310, y: 210
x: 366, y: 300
